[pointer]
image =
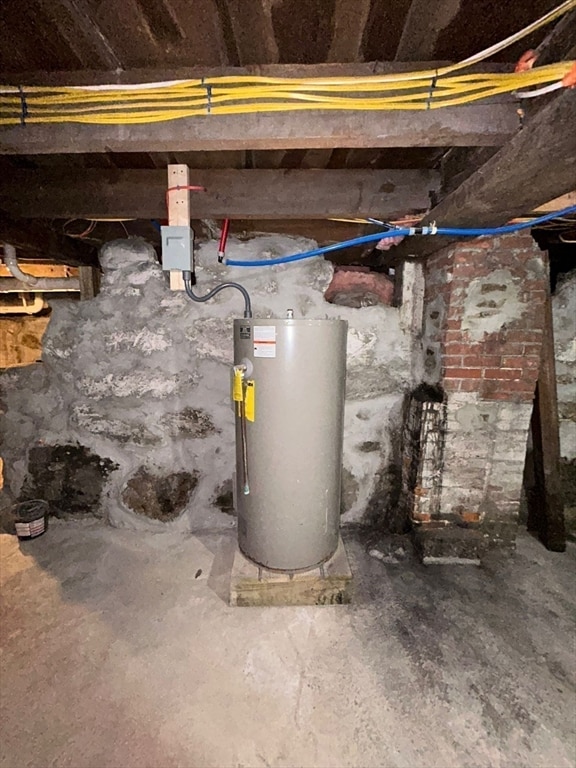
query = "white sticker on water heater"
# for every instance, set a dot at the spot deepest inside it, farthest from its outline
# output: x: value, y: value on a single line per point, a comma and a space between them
x: 264, y: 341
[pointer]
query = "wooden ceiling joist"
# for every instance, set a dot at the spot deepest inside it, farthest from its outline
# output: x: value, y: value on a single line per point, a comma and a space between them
x: 470, y: 125
x: 422, y: 28
x: 298, y: 71
x: 348, y: 30
x: 251, y: 22
x: 236, y: 194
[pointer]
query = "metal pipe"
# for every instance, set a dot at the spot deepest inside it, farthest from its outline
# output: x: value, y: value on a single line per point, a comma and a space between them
x: 25, y: 283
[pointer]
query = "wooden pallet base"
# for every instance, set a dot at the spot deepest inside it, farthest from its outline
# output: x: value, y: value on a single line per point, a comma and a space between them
x: 330, y: 584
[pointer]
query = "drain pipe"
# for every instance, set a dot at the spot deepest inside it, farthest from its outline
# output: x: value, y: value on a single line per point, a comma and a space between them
x: 29, y: 282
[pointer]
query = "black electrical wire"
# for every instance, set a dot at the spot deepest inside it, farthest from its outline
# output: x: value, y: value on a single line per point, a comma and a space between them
x: 187, y: 277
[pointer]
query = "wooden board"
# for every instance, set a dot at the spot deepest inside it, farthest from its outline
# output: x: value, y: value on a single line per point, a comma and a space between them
x: 545, y: 506
x: 21, y: 340
x: 42, y: 270
x: 331, y: 584
x: 178, y: 201
x: 99, y: 193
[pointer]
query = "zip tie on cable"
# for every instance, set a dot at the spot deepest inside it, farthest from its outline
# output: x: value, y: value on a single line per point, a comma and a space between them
x: 431, y: 89
x: 431, y: 230
x: 23, y: 106
x: 208, y: 88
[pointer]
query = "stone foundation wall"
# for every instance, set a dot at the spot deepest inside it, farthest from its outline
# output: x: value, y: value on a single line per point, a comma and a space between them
x: 564, y: 314
x: 129, y: 414
x: 482, y: 335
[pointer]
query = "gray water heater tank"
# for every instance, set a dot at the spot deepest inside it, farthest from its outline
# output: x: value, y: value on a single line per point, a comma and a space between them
x: 289, y: 458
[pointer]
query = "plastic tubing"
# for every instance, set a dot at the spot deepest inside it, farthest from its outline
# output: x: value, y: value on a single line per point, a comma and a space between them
x: 405, y: 231
x: 187, y: 277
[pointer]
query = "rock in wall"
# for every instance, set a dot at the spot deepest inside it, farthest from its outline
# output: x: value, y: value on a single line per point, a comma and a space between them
x: 139, y: 378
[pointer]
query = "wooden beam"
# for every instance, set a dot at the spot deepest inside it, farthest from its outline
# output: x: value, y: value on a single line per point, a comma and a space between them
x: 42, y: 269
x: 348, y: 30
x: 470, y: 125
x: 235, y: 194
x: 89, y: 278
x: 564, y: 201
x: 459, y: 163
x: 560, y: 43
x: 538, y: 164
x: 423, y: 27
x: 178, y: 209
x: 321, y: 230
x: 41, y: 239
x: 546, y: 511
x: 82, y: 34
x: 251, y: 22
x: 148, y: 75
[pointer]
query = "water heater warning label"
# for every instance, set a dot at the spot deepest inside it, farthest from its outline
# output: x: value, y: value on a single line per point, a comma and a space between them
x: 264, y: 341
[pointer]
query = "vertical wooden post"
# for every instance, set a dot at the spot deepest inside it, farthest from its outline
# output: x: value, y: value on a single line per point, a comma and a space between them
x: 178, y: 210
x: 546, y: 510
x: 89, y: 282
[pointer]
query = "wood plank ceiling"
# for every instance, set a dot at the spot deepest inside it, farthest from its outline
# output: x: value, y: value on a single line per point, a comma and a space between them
x: 56, y: 35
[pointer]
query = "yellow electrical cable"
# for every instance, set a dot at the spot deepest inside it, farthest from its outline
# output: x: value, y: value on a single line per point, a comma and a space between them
x: 165, y: 107
x: 247, y: 94
x: 503, y: 83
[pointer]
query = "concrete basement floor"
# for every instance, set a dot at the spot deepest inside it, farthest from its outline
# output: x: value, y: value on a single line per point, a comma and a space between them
x: 120, y: 651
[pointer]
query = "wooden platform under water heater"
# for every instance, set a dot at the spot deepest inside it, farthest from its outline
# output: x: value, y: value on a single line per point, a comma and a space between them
x: 328, y: 584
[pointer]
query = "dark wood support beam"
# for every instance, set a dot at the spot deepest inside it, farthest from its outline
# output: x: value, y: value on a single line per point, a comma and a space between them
x: 89, y: 278
x: 470, y: 125
x: 348, y: 30
x: 81, y: 32
x: 299, y: 71
x: 537, y: 165
x: 459, y: 163
x: 39, y: 239
x: 560, y: 43
x: 545, y: 506
x: 423, y: 26
x: 251, y: 22
x: 321, y: 230
x: 235, y: 194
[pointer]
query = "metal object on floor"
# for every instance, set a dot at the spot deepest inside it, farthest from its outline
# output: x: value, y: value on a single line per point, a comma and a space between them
x: 30, y: 518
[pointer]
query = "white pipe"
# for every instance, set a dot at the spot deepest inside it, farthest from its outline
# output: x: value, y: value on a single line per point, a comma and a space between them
x: 29, y: 282
x: 12, y: 263
x: 32, y: 308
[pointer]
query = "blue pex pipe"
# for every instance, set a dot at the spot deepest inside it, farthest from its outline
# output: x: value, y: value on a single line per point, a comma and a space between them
x: 406, y: 232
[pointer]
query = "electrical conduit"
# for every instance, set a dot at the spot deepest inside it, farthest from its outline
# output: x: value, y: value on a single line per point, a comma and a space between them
x: 29, y: 282
x: 188, y: 276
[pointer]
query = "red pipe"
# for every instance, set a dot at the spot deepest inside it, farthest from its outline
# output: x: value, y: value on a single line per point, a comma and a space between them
x: 223, y: 239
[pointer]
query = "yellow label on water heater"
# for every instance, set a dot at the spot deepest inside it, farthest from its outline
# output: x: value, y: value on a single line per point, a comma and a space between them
x: 237, y: 386
x: 249, y: 404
